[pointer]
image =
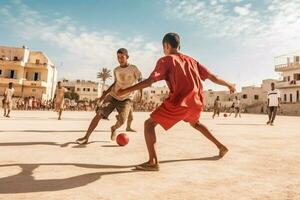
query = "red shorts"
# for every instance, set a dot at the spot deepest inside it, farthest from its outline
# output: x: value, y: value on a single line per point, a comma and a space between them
x: 168, y: 115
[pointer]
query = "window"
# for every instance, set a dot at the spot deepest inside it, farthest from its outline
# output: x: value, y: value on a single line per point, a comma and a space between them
x: 15, y: 58
x: 36, y: 76
x: 12, y: 74
x: 95, y: 89
x: 297, y: 96
x: 83, y: 89
x: 297, y: 58
x: 291, y: 97
x: 284, y: 97
x: 296, y: 77
x: 78, y: 89
x: 256, y: 97
x: 88, y: 89
x: 288, y: 78
x: 0, y: 71
x: 37, y: 61
x: 244, y: 96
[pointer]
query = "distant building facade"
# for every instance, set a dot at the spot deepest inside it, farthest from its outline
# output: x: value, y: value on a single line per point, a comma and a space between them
x: 86, y: 89
x: 31, y: 72
x: 155, y: 95
x: 289, y: 85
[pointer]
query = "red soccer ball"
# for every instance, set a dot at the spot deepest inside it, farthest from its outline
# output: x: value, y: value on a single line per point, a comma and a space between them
x: 122, y: 139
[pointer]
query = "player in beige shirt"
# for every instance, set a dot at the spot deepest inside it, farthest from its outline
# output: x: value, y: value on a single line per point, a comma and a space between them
x: 59, y: 99
x: 125, y: 75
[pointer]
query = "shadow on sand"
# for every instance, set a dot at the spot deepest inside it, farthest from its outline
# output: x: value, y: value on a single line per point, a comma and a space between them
x: 24, y: 182
x: 49, y: 144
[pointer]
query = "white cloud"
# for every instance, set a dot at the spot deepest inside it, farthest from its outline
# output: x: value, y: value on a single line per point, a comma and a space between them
x: 242, y: 10
x: 85, y: 52
x: 258, y: 32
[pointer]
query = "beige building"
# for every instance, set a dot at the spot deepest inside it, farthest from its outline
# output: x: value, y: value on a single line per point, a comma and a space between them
x: 289, y: 68
x: 210, y: 96
x: 87, y: 90
x: 253, y: 95
x: 155, y: 95
x: 31, y: 72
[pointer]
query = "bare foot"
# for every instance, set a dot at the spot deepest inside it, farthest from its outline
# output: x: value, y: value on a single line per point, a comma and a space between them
x: 147, y: 166
x: 82, y: 140
x: 130, y: 130
x: 113, y: 133
x: 222, y: 151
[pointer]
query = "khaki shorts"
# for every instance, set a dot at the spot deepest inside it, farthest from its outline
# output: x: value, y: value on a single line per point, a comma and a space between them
x: 59, y: 105
x: 110, y: 103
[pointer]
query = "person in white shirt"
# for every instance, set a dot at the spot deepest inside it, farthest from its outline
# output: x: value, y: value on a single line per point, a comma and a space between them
x: 237, y: 106
x: 273, y: 103
x: 7, y: 101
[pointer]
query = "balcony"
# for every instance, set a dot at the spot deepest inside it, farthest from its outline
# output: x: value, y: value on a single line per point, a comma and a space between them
x: 288, y: 84
x: 35, y: 83
x: 12, y: 62
x: 12, y: 80
x: 287, y: 67
x: 36, y: 65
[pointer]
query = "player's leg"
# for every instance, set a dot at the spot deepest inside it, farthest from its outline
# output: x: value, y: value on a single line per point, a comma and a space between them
x: 9, y: 108
x: 129, y: 121
x: 204, y: 130
x: 103, y: 112
x: 273, y: 115
x: 4, y: 108
x: 150, y: 137
x: 123, y: 108
x: 270, y: 112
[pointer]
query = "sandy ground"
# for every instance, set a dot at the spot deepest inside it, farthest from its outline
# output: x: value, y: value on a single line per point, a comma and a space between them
x: 39, y: 161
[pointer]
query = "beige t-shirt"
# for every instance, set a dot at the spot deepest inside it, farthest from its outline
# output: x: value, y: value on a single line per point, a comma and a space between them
x: 124, y: 78
x: 9, y: 94
x: 60, y: 94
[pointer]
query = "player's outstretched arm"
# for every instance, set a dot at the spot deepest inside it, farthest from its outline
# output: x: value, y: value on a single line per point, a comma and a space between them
x: 139, y: 86
x: 220, y: 81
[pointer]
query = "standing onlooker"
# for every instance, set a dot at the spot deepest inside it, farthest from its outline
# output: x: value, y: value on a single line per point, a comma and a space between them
x: 217, y: 107
x: 7, y: 101
x: 237, y: 107
x: 273, y: 103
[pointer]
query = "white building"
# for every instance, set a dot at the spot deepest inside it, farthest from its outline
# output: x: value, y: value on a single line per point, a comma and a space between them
x: 289, y: 68
x: 31, y: 72
x: 87, y: 90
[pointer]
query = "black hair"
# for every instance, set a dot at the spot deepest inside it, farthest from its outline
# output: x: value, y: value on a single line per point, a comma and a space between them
x: 173, y: 39
x: 123, y: 51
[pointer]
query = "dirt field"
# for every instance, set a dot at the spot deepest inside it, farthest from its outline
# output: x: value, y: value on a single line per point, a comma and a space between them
x: 38, y: 160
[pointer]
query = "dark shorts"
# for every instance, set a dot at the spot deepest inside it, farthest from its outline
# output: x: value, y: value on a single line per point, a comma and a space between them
x: 273, y: 108
x: 110, y: 103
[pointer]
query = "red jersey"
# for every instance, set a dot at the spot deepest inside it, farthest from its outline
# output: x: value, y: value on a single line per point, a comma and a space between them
x: 183, y: 75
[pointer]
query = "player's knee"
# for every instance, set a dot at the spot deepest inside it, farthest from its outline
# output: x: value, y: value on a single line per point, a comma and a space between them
x: 194, y: 124
x: 149, y: 124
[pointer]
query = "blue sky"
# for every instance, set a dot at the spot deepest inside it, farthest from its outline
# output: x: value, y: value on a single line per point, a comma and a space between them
x: 236, y: 39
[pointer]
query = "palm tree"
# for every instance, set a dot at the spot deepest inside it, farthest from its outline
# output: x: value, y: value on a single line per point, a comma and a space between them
x: 103, y: 76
